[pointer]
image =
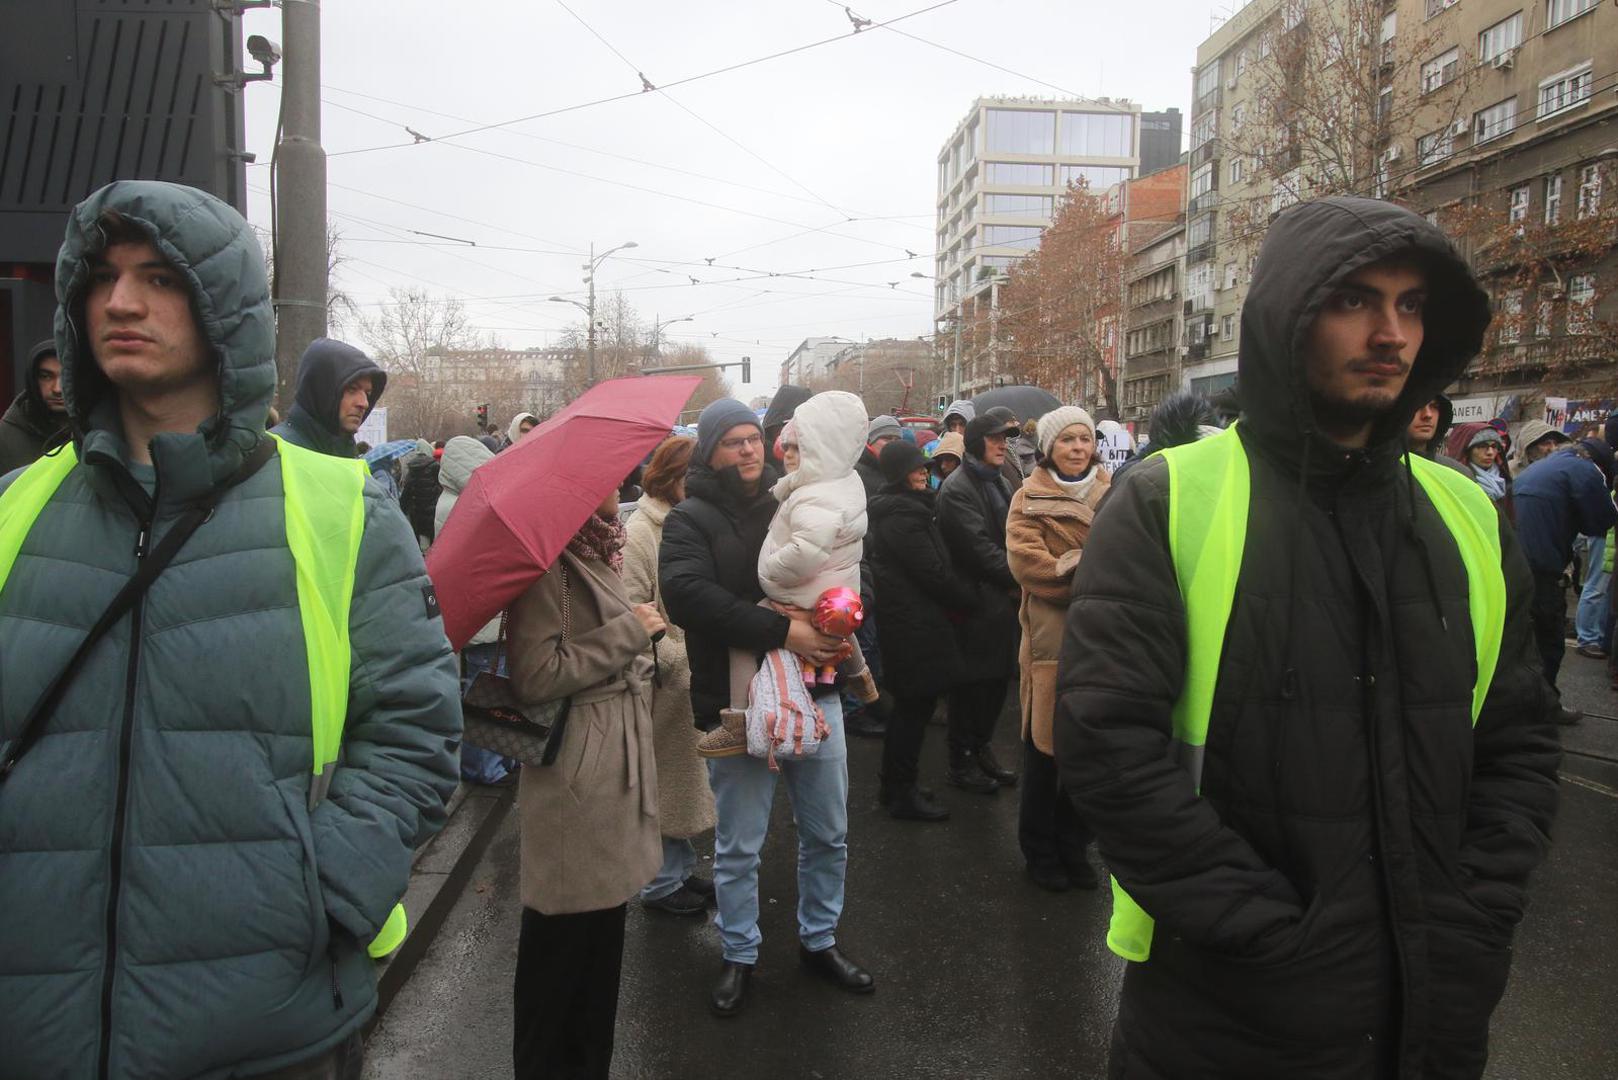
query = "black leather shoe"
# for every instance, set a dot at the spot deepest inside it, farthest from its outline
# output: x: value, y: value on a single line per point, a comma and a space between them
x: 833, y: 965
x: 1565, y: 715
x: 730, y: 992
x: 889, y: 792
x: 993, y: 769
x: 968, y: 777
x: 1049, y: 878
x: 702, y: 886
x: 912, y: 804
x: 681, y: 901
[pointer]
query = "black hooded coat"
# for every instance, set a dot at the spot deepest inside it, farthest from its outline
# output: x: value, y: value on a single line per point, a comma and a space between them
x: 28, y: 425
x: 1340, y: 900
x: 326, y: 367
x: 782, y: 406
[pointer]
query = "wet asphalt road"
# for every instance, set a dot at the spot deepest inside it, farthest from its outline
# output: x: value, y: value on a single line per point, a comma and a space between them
x: 979, y: 974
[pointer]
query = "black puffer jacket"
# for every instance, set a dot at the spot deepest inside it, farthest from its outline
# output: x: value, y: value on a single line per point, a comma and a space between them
x: 974, y: 530
x: 418, y: 498
x: 28, y: 425
x: 1340, y: 901
x: 707, y: 569
x: 921, y: 590
x: 870, y: 470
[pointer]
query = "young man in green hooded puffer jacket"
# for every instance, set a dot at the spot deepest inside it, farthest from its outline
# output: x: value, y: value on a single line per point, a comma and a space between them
x: 182, y: 894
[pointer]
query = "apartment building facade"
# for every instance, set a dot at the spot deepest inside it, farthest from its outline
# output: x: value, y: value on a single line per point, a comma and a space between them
x: 1000, y: 175
x: 1515, y: 155
x: 811, y: 359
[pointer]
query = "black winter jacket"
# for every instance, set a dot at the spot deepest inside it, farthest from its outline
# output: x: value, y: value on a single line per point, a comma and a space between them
x: 326, y: 367
x: 28, y: 426
x: 418, y: 498
x: 870, y: 469
x: 1340, y: 901
x: 707, y: 569
x: 974, y: 530
x: 921, y: 590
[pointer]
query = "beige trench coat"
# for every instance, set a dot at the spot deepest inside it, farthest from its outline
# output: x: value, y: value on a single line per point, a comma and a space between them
x: 684, y: 801
x: 590, y: 836
x: 1045, y: 534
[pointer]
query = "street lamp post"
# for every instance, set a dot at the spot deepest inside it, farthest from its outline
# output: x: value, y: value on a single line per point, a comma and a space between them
x: 589, y: 307
x: 657, y: 333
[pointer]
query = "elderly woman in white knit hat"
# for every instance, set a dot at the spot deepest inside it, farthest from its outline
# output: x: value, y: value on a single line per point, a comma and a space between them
x: 1045, y: 534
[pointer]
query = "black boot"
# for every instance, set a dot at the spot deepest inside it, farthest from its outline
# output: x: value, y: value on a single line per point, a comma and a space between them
x: 911, y: 804
x: 888, y: 792
x: 965, y: 774
x: 833, y: 966
x: 993, y: 769
x: 730, y: 992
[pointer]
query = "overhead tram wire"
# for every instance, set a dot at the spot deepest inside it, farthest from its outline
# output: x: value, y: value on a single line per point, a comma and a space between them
x: 685, y: 81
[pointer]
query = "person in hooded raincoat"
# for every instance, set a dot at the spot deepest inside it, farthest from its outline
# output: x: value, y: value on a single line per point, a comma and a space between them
x: 338, y: 386
x: 37, y: 413
x: 1338, y: 897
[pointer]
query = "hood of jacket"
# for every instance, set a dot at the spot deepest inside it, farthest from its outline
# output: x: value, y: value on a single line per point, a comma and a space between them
x: 831, y: 438
x: 1534, y: 430
x: 512, y: 432
x: 1309, y: 251
x: 960, y: 407
x: 214, y: 251
x: 784, y: 404
x: 35, y: 404
x: 462, y: 454
x: 325, y: 368
x: 655, y: 509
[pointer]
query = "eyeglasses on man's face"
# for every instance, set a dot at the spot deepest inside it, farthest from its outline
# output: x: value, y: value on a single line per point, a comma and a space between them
x: 741, y: 442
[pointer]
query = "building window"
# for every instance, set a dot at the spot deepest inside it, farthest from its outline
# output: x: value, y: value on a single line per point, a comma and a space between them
x: 1241, y: 63
x: 1503, y: 35
x: 1544, y: 310
x: 1238, y: 116
x: 1291, y: 13
x: 1497, y: 120
x: 1581, y: 299
x: 1558, y: 12
x: 1518, y: 209
x: 1230, y: 276
x: 1511, y: 322
x: 1023, y: 205
x: 1436, y: 6
x: 1202, y: 180
x: 1199, y: 286
x: 1017, y: 175
x: 1200, y: 231
x: 1553, y: 198
x: 1235, y: 171
x: 1264, y: 45
x: 999, y: 262
x: 1097, y: 135
x: 1209, y: 385
x: 1433, y: 148
x: 1564, y: 91
x: 1095, y: 177
x: 1208, y: 80
x: 1288, y: 190
x: 1021, y: 131
x: 1589, y: 191
x: 1018, y: 236
x: 1440, y: 70
x: 1227, y: 328
x: 1206, y: 127
x: 1384, y: 104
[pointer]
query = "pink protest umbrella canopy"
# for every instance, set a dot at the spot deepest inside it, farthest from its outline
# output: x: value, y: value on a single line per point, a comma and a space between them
x: 520, y: 509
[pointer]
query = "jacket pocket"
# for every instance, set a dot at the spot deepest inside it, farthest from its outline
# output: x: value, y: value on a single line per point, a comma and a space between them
x: 294, y: 801
x: 584, y: 762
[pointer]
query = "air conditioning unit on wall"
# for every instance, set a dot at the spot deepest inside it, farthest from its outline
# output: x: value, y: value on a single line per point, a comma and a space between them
x: 1391, y: 153
x: 1460, y: 128
x: 1503, y: 60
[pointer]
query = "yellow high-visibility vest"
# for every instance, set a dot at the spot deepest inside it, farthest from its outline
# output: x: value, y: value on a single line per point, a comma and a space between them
x: 325, y: 520
x: 1210, y: 486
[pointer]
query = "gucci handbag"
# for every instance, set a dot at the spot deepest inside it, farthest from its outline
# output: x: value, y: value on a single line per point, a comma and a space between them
x: 497, y: 721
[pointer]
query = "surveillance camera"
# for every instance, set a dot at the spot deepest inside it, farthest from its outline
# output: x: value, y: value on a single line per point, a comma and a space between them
x: 264, y: 50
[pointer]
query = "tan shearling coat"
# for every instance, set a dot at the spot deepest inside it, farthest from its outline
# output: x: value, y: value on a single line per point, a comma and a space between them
x: 684, y: 801
x: 1045, y: 534
x: 590, y: 836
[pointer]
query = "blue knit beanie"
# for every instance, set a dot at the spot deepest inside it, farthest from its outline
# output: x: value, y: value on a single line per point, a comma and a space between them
x: 718, y: 418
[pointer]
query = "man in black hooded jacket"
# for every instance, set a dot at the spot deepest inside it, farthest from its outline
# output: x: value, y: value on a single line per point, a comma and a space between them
x: 38, y: 413
x: 1339, y: 898
x: 338, y: 386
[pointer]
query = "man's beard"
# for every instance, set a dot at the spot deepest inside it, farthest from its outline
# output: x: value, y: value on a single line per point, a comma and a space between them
x: 1350, y: 414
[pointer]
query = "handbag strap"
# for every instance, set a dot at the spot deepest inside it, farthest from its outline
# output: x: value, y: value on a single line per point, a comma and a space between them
x: 147, y: 570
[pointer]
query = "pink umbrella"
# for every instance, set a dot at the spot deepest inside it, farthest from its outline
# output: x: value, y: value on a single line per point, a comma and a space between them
x: 520, y: 509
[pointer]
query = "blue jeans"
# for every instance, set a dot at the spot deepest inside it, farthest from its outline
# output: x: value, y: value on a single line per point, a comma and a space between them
x: 743, y: 791
x: 679, y: 862
x: 1591, y: 599
x: 480, y: 766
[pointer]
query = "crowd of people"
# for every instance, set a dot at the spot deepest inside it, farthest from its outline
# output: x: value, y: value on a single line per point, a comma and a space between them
x: 1294, y: 676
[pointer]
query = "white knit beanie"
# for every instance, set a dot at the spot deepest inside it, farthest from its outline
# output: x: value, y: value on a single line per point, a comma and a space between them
x: 1056, y: 421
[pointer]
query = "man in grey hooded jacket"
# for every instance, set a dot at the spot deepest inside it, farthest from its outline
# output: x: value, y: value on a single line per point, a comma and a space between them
x: 172, y: 906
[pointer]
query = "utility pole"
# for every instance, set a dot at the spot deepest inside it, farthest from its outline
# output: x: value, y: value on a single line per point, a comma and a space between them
x: 300, y: 179
x: 957, y: 378
x: 590, y: 313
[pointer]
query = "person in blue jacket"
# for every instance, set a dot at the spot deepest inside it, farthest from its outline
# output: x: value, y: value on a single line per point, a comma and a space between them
x: 1560, y: 497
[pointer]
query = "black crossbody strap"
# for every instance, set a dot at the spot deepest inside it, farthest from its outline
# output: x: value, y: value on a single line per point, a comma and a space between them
x: 146, y: 573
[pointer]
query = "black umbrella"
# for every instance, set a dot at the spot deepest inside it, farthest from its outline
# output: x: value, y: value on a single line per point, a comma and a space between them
x: 1025, y: 402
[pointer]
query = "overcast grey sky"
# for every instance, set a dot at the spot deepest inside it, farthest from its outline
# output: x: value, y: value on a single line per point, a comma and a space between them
x: 758, y: 168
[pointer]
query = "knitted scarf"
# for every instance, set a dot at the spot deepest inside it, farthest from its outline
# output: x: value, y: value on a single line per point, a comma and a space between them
x: 600, y: 539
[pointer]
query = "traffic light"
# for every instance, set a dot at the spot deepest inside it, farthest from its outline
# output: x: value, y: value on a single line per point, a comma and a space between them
x: 747, y: 369
x: 483, y: 416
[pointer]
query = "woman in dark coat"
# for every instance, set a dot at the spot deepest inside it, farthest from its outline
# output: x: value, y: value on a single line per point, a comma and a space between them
x: 920, y: 596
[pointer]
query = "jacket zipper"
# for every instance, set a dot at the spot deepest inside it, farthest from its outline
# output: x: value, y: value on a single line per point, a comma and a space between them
x: 125, y: 737
x: 336, y: 985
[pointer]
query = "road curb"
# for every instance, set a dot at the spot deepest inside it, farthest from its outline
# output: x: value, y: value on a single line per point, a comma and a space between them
x: 439, y: 873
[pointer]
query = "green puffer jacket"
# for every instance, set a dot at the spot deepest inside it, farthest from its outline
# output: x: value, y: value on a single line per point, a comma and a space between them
x: 169, y: 907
